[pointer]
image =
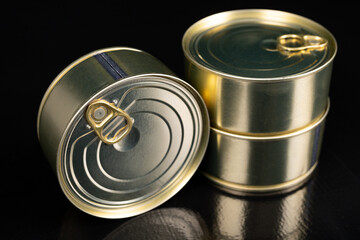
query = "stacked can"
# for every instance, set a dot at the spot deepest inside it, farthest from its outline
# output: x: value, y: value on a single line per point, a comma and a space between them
x: 264, y: 76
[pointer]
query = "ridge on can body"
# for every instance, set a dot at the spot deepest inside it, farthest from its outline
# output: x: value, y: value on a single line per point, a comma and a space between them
x: 249, y: 84
x: 166, y: 123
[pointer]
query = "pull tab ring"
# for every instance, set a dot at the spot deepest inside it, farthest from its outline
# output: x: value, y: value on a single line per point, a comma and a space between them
x: 99, y: 113
x: 294, y: 43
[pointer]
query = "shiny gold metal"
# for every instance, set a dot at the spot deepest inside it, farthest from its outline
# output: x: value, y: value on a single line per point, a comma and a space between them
x: 253, y: 165
x: 248, y: 190
x: 54, y: 117
x: 123, y: 91
x: 295, y: 43
x: 264, y: 76
x: 100, y: 113
x: 249, y: 85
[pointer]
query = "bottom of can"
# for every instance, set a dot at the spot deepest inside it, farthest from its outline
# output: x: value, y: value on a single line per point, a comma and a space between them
x: 250, y: 190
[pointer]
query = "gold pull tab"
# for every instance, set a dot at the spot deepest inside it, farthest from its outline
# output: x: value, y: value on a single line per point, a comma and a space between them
x: 294, y: 43
x: 99, y: 113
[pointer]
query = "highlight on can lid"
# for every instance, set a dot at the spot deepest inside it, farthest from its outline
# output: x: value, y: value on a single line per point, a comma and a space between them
x: 129, y: 136
x: 258, y: 43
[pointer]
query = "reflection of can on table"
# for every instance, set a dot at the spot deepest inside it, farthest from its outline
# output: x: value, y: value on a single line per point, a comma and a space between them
x: 264, y: 76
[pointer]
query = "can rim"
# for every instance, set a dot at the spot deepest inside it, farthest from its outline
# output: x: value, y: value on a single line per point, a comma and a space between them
x: 290, y: 134
x: 222, y: 17
x: 148, y: 203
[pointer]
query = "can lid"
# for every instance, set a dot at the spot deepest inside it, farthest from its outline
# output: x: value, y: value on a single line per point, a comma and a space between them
x: 166, y: 130
x: 258, y: 44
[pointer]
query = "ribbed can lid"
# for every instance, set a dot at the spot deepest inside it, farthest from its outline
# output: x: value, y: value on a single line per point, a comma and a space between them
x: 164, y: 146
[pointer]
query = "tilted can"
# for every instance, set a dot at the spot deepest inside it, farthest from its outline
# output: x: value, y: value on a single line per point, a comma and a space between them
x: 264, y: 76
x: 260, y: 72
x: 122, y: 132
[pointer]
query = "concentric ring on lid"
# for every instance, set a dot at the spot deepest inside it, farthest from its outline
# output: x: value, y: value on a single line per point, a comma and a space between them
x: 155, y: 160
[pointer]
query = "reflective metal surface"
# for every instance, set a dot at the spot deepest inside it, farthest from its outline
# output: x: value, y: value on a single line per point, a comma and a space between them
x: 300, y: 44
x: 91, y: 77
x: 137, y: 173
x: 100, y: 113
x: 250, y: 85
x: 126, y: 146
x: 260, y: 165
x: 42, y: 38
x: 264, y: 76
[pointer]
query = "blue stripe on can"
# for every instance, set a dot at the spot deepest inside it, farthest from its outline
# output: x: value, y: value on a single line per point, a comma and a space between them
x: 110, y: 66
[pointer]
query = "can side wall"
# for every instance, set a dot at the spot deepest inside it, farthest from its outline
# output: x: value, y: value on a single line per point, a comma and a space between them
x: 70, y: 92
x: 261, y: 107
x: 135, y: 62
x: 262, y: 163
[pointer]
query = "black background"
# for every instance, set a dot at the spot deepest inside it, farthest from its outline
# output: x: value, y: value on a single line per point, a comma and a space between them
x: 40, y: 39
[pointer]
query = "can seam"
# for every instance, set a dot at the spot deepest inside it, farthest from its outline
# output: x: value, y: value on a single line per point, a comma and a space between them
x: 242, y: 189
x: 277, y: 136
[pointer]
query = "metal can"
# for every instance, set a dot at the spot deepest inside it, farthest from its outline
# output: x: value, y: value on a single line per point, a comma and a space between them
x: 122, y: 132
x: 260, y: 72
x: 264, y: 76
x: 253, y: 165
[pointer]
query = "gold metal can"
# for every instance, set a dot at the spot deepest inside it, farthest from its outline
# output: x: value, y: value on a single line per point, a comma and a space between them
x: 260, y: 72
x: 264, y: 76
x: 253, y: 165
x: 122, y: 133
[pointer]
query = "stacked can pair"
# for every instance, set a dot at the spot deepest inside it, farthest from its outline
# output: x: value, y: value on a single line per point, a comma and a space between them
x: 264, y: 76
